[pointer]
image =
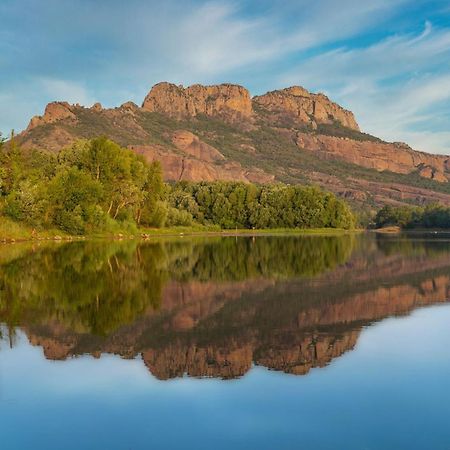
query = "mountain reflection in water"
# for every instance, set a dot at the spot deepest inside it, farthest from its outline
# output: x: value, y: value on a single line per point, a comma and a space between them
x: 215, y: 306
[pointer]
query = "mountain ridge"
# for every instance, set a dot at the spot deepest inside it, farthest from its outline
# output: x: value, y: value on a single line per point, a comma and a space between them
x: 221, y: 132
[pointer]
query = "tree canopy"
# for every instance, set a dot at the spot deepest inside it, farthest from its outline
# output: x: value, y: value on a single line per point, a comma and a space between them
x: 86, y: 187
x: 96, y: 185
x: 241, y: 205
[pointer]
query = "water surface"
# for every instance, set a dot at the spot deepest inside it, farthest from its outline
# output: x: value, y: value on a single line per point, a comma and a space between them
x: 250, y: 342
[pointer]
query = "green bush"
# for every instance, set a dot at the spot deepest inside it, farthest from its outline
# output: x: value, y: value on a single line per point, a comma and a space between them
x: 177, y: 217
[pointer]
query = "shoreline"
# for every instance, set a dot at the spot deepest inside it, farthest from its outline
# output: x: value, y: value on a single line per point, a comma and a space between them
x: 14, y: 232
x: 147, y: 234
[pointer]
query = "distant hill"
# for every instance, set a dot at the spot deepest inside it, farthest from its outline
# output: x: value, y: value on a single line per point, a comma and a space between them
x: 222, y: 133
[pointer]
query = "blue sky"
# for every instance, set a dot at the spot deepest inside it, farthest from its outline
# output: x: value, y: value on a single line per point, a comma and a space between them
x: 386, y: 60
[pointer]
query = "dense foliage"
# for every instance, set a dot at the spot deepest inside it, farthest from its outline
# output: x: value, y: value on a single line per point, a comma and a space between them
x: 95, y: 185
x: 241, y: 205
x: 91, y: 186
x: 432, y: 216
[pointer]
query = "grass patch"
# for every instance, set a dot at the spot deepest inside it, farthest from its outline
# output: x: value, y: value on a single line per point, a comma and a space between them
x: 11, y: 231
x: 215, y: 230
x: 15, y: 231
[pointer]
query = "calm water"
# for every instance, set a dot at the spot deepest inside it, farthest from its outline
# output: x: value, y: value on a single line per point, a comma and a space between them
x: 226, y: 343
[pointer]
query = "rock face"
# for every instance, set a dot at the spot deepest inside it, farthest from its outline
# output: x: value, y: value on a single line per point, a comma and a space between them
x: 307, y: 108
x: 190, y: 144
x: 97, y: 107
x: 396, y: 194
x: 196, y: 160
x: 54, y: 112
x: 376, y: 155
x: 177, y: 101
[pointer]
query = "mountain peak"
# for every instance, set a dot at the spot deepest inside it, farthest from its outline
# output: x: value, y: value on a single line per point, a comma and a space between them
x: 54, y: 112
x: 305, y: 107
x: 168, y: 98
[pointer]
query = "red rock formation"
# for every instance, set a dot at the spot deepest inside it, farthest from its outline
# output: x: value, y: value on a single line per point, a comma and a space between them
x: 376, y: 155
x: 54, y: 112
x: 197, y: 161
x: 191, y: 145
x: 175, y: 100
x: 175, y: 361
x: 241, y: 152
x: 307, y: 108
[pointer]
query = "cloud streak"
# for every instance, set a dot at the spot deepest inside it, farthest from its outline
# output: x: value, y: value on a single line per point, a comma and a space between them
x: 397, y: 87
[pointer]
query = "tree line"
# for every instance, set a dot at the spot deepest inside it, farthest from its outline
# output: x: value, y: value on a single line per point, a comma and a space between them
x: 430, y: 216
x: 95, y: 186
x: 243, y: 205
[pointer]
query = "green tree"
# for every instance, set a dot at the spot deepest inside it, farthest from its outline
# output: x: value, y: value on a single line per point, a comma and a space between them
x: 11, y: 165
x: 152, y: 211
x: 74, y: 198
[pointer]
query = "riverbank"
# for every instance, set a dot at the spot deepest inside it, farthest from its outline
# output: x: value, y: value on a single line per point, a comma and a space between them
x: 11, y: 231
x: 245, y: 232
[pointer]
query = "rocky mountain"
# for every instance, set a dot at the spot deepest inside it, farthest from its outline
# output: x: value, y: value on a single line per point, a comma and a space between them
x: 221, y: 133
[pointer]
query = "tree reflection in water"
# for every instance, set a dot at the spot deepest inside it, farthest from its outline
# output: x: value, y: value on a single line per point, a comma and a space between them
x: 215, y: 306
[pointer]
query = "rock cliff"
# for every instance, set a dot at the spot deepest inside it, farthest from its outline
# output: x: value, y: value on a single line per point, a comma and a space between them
x: 54, y: 112
x: 380, y: 156
x: 175, y: 100
x: 307, y: 108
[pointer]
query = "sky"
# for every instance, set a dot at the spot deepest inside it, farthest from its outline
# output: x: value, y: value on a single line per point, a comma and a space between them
x: 386, y: 60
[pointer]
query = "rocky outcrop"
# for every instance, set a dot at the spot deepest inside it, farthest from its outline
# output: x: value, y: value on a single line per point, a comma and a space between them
x: 175, y: 361
x: 301, y: 355
x: 395, y: 194
x: 305, y: 107
x: 54, y: 112
x: 97, y: 107
x: 194, y: 160
x: 228, y: 99
x: 191, y: 145
x: 381, y: 156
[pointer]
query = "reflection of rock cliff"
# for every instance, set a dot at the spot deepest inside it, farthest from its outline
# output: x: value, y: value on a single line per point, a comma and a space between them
x: 313, y: 339
x: 221, y: 328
